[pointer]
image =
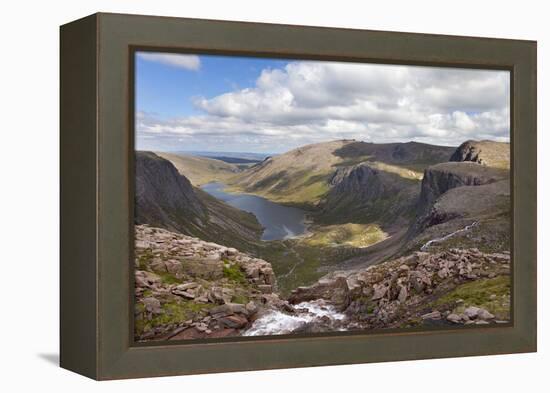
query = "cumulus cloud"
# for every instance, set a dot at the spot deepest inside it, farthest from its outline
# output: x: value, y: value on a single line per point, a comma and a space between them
x: 308, y: 102
x: 187, y: 62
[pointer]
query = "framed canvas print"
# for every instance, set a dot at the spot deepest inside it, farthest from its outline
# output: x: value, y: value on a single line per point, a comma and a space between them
x: 240, y: 196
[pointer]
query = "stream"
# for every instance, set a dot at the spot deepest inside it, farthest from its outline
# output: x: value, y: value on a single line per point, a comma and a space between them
x: 276, y: 322
x: 441, y: 239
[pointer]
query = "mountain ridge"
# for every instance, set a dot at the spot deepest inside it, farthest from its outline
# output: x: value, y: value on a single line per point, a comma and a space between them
x: 165, y: 198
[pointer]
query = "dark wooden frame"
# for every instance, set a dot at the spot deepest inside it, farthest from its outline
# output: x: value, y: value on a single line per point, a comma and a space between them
x: 97, y: 183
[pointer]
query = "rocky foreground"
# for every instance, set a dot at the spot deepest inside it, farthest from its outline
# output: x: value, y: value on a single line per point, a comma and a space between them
x: 187, y: 288
x: 454, y: 287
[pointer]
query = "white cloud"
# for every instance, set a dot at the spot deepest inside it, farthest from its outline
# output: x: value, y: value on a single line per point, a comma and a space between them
x: 187, y: 62
x: 308, y: 102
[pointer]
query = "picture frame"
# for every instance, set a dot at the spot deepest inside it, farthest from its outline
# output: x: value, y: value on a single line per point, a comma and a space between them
x: 96, y: 145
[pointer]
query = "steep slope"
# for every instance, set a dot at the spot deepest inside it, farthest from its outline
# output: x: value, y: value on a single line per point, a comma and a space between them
x: 166, y: 199
x: 464, y: 204
x: 440, y: 178
x: 412, y: 156
x: 303, y: 175
x: 163, y: 196
x: 299, y: 176
x: 364, y: 194
x: 490, y: 153
x: 200, y: 170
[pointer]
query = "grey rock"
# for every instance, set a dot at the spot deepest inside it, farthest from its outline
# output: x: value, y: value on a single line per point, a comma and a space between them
x: 152, y: 305
x: 471, y: 312
x: 484, y: 315
x: 454, y: 318
x: 435, y: 315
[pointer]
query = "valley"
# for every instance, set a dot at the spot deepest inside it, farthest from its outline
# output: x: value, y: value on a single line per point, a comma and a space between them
x: 363, y: 235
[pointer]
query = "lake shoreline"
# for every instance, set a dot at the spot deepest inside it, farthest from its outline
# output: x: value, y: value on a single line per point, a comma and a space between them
x: 280, y: 222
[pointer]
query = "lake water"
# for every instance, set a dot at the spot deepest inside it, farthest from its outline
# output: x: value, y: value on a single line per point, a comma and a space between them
x: 279, y: 221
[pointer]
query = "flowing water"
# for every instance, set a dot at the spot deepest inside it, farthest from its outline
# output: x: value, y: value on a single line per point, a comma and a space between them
x: 276, y: 322
x: 280, y: 222
x: 442, y: 239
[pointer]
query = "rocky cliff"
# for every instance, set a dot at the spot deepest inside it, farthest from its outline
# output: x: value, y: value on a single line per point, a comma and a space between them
x: 190, y: 288
x: 490, y: 153
x: 462, y: 204
x: 365, y: 193
x: 165, y: 198
x: 440, y: 178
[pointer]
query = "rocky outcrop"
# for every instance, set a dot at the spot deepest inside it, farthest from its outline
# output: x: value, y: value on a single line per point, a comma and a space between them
x: 361, y: 181
x: 459, y: 195
x: 490, y: 153
x: 440, y: 178
x: 336, y: 291
x: 190, y: 288
x: 365, y: 193
x: 419, y: 289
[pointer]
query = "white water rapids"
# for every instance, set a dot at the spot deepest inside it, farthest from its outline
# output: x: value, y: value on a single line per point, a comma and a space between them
x: 277, y: 322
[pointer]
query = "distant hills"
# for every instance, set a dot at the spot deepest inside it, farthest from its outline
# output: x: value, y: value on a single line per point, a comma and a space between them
x: 404, y: 194
x: 328, y: 176
x: 227, y: 156
x: 201, y: 170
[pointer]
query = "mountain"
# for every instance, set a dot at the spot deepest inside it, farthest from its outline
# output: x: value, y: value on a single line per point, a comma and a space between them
x: 201, y: 170
x: 256, y: 157
x: 457, y: 204
x: 303, y: 176
x: 440, y: 178
x: 165, y: 198
x: 489, y: 153
x: 465, y: 203
x: 363, y: 193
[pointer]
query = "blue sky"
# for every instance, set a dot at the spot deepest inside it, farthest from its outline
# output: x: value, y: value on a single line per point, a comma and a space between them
x: 168, y: 91
x: 187, y: 102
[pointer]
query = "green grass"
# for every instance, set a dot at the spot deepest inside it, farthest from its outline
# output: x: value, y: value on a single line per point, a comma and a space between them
x: 239, y: 298
x: 302, y: 189
x: 234, y: 273
x: 297, y: 263
x: 169, y: 278
x: 172, y: 313
x: 353, y: 235
x: 144, y: 259
x: 492, y: 294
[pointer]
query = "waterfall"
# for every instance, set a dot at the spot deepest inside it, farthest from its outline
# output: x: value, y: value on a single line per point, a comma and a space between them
x: 276, y: 322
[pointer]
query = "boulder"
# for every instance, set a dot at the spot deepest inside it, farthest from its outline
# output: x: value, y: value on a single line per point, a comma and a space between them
x: 435, y: 315
x: 484, y: 315
x: 403, y: 293
x: 334, y: 290
x: 234, y: 321
x: 380, y: 291
x: 152, y: 305
x: 209, y: 268
x: 454, y: 318
x: 471, y: 312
